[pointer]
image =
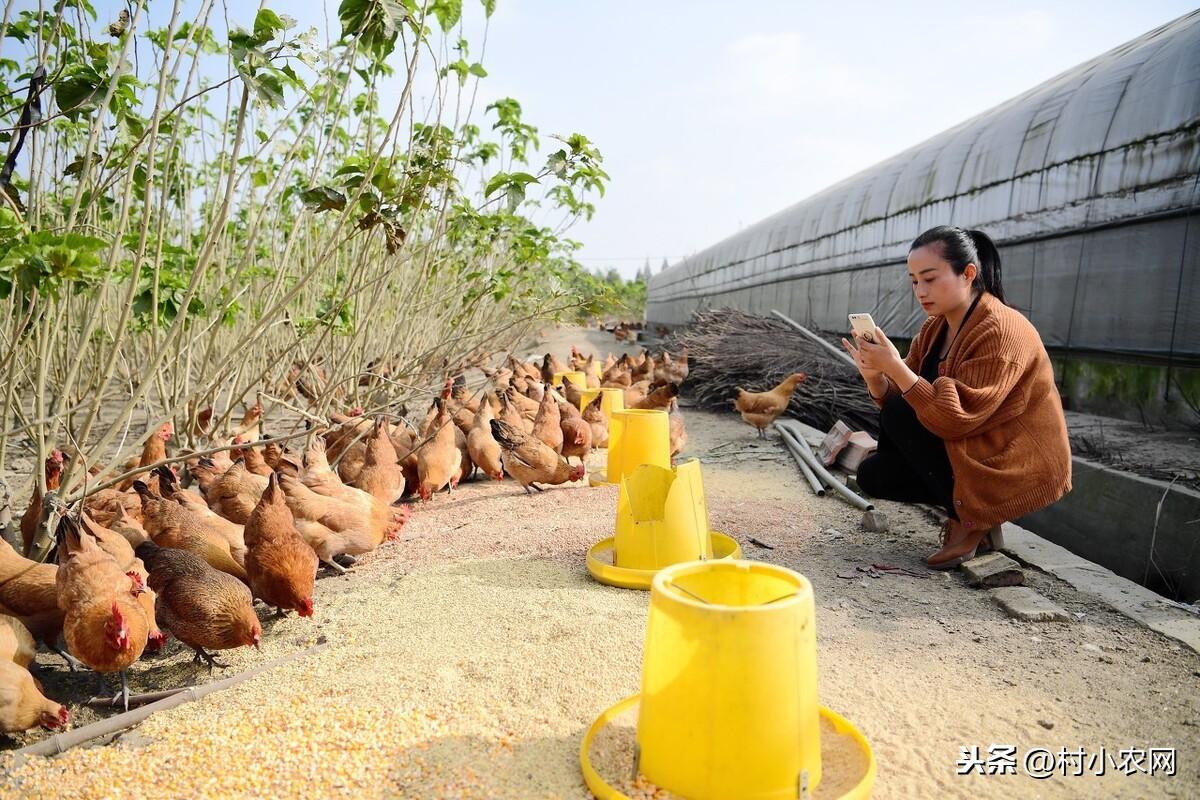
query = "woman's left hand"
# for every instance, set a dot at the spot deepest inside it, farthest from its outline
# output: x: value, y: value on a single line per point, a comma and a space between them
x: 881, y: 354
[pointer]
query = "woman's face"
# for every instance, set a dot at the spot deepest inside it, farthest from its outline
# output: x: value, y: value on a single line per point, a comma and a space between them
x: 934, y: 283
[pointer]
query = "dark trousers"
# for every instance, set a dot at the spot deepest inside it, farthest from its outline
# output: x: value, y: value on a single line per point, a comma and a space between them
x: 910, y: 464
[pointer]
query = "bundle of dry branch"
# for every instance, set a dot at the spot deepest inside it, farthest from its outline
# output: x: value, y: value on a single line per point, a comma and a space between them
x: 728, y: 349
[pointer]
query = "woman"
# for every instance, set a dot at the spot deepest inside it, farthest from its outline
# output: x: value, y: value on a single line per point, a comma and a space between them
x: 971, y: 418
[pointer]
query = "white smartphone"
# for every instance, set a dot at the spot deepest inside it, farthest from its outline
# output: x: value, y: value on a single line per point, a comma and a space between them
x: 864, y: 326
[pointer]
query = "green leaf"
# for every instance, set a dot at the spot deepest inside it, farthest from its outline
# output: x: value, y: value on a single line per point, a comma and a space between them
x: 266, y: 23
x: 498, y: 180
x: 477, y: 70
x: 489, y: 7
x: 448, y: 13
x: 323, y: 198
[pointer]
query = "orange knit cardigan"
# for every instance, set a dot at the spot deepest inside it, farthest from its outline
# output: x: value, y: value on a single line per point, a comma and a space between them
x: 999, y: 412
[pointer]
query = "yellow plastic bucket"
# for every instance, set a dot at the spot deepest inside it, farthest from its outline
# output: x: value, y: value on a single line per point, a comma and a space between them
x: 586, y: 396
x: 661, y: 518
x: 576, y: 378
x: 635, y: 437
x: 728, y: 706
x: 612, y: 402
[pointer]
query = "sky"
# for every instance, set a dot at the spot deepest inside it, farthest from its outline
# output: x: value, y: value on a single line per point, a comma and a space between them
x: 711, y: 116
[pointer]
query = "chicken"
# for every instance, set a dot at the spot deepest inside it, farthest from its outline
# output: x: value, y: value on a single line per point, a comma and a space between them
x: 255, y: 463
x: 530, y: 460
x: 250, y: 428
x: 659, y: 397
x: 381, y: 475
x: 105, y: 505
x: 16, y: 642
x: 483, y: 447
x: 547, y: 426
x: 439, y: 462
x: 29, y: 592
x: 121, y: 551
x: 635, y: 394
x: 103, y: 624
x: 576, y: 433
x: 525, y: 406
x: 551, y: 365
x: 234, y: 493
x: 678, y: 432
x: 673, y: 370
x: 282, y: 565
x: 22, y: 704
x: 760, y: 409
x: 205, y: 608
x: 33, y: 514
x: 153, y: 450
x: 170, y: 524
x: 331, y: 526
x: 572, y: 393
x: 598, y: 422
x: 510, y: 414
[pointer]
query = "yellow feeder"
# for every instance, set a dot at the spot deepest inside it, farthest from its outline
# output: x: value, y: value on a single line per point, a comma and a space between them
x: 729, y: 706
x: 662, y: 519
x: 635, y: 436
x: 576, y: 378
x: 586, y: 396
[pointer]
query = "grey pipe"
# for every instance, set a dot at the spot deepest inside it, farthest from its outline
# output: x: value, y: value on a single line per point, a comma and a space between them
x: 807, y: 454
x: 831, y: 348
x: 804, y: 467
x: 62, y: 742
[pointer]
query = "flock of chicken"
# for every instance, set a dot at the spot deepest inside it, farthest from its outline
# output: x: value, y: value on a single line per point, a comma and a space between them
x: 152, y: 555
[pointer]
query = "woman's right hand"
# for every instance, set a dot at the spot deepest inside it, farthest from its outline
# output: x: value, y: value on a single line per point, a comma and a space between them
x: 867, y: 373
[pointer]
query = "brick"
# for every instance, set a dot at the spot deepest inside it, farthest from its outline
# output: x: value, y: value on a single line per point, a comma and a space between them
x: 875, y: 521
x: 1024, y: 603
x: 992, y: 570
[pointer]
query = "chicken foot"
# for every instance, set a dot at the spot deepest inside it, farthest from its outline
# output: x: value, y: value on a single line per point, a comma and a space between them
x: 123, y: 695
x: 208, y: 657
x: 535, y: 486
x: 73, y: 663
x: 336, y: 567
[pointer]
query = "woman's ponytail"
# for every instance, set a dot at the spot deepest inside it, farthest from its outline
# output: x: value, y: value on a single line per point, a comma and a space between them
x: 988, y: 263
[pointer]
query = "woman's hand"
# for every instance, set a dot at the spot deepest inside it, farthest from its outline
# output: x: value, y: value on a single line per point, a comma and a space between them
x: 880, y: 356
x: 869, y: 374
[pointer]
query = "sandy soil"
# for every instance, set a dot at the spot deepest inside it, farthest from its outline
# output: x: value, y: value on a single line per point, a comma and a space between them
x: 468, y: 658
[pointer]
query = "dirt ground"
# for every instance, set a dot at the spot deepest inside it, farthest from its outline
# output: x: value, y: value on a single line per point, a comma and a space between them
x: 468, y: 659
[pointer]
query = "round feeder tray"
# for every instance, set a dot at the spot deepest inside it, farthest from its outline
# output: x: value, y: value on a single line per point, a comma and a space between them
x: 626, y: 578
x: 842, y: 726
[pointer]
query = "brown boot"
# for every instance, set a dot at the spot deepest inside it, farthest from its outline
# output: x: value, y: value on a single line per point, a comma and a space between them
x: 959, y: 543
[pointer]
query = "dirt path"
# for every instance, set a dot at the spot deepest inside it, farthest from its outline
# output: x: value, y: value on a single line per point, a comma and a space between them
x: 468, y: 658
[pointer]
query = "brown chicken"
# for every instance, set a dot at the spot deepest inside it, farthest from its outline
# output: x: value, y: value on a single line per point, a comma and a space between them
x: 673, y: 370
x: 22, y: 704
x: 530, y: 460
x: 16, y: 642
x: 635, y: 394
x: 282, y: 566
x: 678, y: 432
x: 103, y: 624
x: 381, y: 475
x: 596, y: 419
x: 153, y: 450
x: 170, y: 524
x: 510, y: 414
x: 121, y: 551
x: 205, y: 608
x: 255, y: 462
x: 547, y: 425
x: 660, y: 397
x: 250, y: 428
x: 760, y: 409
x: 29, y: 592
x: 439, y: 461
x: 483, y: 447
x: 576, y: 433
x: 331, y: 526
x: 234, y: 493
x: 551, y: 365
x: 33, y: 514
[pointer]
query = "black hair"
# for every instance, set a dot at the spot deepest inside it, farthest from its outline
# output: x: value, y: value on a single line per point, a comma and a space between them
x: 961, y: 247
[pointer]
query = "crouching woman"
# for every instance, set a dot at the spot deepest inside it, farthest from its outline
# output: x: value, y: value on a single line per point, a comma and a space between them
x: 971, y: 418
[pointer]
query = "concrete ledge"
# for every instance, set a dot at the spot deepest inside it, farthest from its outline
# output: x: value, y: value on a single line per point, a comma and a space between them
x: 1131, y: 599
